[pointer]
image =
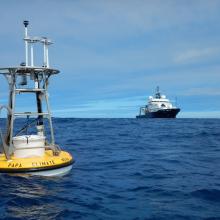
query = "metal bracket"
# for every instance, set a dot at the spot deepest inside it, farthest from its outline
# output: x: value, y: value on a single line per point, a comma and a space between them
x: 4, y: 146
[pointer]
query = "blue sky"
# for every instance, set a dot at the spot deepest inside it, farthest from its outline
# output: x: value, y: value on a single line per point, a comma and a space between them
x: 113, y: 53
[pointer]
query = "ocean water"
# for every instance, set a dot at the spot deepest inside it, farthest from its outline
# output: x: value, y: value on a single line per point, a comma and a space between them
x: 125, y: 169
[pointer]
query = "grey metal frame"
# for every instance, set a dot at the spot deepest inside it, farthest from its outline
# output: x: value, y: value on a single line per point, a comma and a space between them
x: 36, y: 74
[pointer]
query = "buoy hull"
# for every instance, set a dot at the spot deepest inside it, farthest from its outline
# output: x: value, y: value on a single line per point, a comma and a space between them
x: 54, y: 172
x: 48, y: 165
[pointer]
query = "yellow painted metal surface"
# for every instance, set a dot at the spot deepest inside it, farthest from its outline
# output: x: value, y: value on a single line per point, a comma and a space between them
x: 47, y: 161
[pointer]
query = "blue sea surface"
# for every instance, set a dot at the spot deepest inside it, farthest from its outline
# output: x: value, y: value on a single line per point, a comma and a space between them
x: 125, y: 169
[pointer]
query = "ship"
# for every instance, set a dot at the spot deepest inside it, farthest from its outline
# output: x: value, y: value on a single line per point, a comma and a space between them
x: 158, y: 107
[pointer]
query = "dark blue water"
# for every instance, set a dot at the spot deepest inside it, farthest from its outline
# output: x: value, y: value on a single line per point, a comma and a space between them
x: 125, y: 169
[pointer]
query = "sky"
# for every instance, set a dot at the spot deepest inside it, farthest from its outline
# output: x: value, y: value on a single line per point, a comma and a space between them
x: 112, y: 54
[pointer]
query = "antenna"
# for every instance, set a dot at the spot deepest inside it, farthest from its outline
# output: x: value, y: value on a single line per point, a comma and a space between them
x: 26, y: 41
x: 46, y: 42
x: 158, y: 95
x: 30, y: 41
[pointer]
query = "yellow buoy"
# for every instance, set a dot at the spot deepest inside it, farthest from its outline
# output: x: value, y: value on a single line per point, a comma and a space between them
x: 49, y: 162
x: 31, y: 152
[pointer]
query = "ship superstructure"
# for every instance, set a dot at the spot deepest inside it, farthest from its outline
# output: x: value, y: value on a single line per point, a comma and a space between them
x: 158, y: 107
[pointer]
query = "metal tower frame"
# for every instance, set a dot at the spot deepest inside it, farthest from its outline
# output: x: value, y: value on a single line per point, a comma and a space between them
x: 29, y: 79
x: 40, y: 76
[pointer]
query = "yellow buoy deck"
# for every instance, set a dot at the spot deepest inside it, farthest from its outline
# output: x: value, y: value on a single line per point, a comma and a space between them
x: 32, y: 164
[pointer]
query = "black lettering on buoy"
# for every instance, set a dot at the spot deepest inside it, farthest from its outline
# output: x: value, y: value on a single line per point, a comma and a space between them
x: 64, y: 159
x: 14, y: 165
x: 51, y: 162
x: 34, y: 164
x: 9, y: 165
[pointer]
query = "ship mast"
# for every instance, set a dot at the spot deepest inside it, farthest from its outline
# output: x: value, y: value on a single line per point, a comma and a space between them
x: 157, y: 94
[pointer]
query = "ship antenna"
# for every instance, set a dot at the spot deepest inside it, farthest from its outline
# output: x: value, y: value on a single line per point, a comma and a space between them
x: 157, y: 95
x: 157, y: 89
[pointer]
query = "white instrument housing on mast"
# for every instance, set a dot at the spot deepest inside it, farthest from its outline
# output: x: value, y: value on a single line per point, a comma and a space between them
x: 30, y: 41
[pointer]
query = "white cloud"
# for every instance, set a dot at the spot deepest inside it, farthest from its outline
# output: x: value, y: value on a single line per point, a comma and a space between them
x: 117, y: 107
x: 193, y: 55
x: 204, y: 91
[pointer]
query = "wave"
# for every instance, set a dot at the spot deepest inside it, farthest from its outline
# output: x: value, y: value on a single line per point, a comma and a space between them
x: 207, y: 194
x: 125, y: 169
